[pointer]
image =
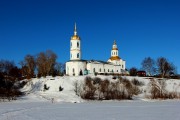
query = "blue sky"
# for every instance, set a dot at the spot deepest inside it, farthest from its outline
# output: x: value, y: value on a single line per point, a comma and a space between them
x: 141, y: 28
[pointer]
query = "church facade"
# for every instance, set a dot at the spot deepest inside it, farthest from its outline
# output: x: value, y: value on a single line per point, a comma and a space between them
x: 76, y: 66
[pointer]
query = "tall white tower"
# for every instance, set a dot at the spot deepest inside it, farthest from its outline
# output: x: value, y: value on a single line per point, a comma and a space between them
x: 114, y: 52
x: 75, y: 46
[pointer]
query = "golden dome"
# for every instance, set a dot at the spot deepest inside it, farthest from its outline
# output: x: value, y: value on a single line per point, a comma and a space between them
x: 114, y: 48
x: 115, y: 58
x: 75, y: 37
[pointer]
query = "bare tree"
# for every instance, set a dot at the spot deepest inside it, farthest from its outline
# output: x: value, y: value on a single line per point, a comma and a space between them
x: 28, y: 66
x: 24, y: 69
x: 6, y: 66
x: 50, y: 60
x: 46, y: 62
x: 164, y: 66
x: 148, y: 64
x: 31, y: 65
x: 41, y: 64
x: 59, y: 69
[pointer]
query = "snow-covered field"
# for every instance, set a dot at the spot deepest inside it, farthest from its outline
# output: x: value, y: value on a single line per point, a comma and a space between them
x: 106, y: 110
x: 37, y: 103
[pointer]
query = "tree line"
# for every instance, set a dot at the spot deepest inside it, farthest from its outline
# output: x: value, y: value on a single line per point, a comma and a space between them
x: 41, y: 65
x: 160, y: 67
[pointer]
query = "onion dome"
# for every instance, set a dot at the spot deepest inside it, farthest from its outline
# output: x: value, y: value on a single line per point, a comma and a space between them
x: 114, y: 58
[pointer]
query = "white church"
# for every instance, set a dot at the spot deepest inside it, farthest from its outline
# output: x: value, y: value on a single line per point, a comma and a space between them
x: 76, y: 66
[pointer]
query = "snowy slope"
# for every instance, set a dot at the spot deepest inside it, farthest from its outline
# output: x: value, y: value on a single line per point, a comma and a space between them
x: 37, y: 105
x: 35, y: 88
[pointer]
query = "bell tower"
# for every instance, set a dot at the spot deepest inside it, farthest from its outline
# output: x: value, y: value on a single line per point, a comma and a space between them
x: 114, y: 52
x: 75, y: 46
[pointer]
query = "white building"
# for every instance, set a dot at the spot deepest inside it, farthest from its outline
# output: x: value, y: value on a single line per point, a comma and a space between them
x: 76, y: 66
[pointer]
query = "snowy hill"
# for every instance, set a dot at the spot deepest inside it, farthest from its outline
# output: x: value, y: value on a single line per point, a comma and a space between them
x: 36, y: 104
x: 34, y: 89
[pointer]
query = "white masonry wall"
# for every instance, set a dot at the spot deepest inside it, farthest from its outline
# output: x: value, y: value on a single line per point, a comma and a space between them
x: 77, y: 66
x: 75, y: 46
x: 103, y: 68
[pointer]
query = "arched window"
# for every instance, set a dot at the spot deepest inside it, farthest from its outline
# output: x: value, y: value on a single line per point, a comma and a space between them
x: 77, y: 44
x: 73, y: 72
x: 122, y: 66
x: 80, y: 72
x: 78, y: 55
x: 104, y: 70
x: 94, y: 70
x: 108, y: 70
x: 100, y: 70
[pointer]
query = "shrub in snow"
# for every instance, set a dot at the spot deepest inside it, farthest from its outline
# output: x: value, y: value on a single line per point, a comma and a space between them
x: 96, y: 88
x: 158, y: 90
x: 60, y: 88
x: 8, y: 90
x: 96, y: 80
x: 130, y: 88
x: 89, y: 89
x: 45, y: 87
x: 78, y: 86
x: 104, y: 89
x: 137, y: 82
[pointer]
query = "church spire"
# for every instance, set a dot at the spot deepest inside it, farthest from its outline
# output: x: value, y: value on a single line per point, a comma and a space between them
x: 75, y: 36
x: 114, y: 46
x: 75, y: 29
x: 114, y: 42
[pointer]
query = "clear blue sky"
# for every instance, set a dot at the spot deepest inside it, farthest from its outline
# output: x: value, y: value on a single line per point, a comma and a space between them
x: 141, y: 28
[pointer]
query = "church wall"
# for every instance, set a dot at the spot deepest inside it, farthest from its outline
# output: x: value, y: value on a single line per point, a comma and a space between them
x: 102, y: 68
x: 77, y: 66
x: 117, y: 69
x: 109, y: 68
x: 124, y: 64
x: 121, y: 63
x: 95, y: 66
